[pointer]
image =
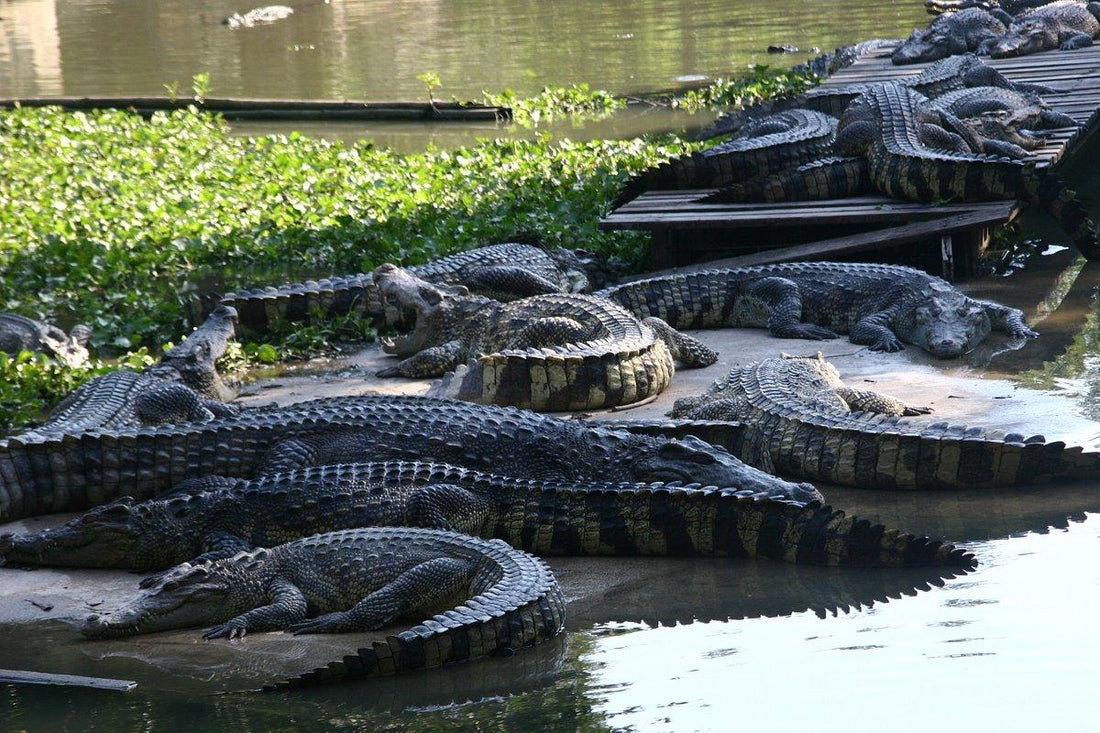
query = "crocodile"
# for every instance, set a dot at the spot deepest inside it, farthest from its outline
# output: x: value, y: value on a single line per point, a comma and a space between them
x: 548, y: 352
x: 500, y: 599
x: 19, y: 333
x: 764, y: 145
x: 215, y: 517
x: 258, y: 16
x: 909, y: 156
x: 816, y: 427
x: 973, y: 29
x: 1003, y: 117
x: 1012, y: 7
x: 183, y: 386
x: 879, y: 306
x: 501, y: 271
x: 1064, y: 25
x: 40, y: 474
x: 943, y: 77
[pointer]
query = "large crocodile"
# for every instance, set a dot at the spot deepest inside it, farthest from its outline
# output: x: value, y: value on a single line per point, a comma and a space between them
x: 40, y: 474
x: 184, y: 385
x: 500, y: 599
x: 215, y: 517
x: 1064, y: 25
x: 500, y: 271
x: 548, y: 352
x: 765, y: 145
x: 973, y: 29
x: 909, y: 156
x: 880, y: 306
x: 1005, y: 119
x: 814, y: 426
x: 947, y: 75
x: 19, y: 333
x: 1012, y: 7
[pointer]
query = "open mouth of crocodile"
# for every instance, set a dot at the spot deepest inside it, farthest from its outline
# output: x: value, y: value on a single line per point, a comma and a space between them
x: 408, y: 343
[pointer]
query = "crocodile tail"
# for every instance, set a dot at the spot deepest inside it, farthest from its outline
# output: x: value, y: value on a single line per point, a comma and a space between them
x: 691, y: 521
x: 828, y: 178
x: 509, y: 616
x: 1052, y: 195
x: 260, y: 309
x: 547, y: 381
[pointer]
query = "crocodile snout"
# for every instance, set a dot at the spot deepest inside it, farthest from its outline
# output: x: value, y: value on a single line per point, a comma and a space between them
x: 947, y: 348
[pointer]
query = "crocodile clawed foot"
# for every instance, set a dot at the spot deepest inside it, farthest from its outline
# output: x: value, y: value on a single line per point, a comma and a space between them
x: 889, y: 345
x: 910, y: 411
x: 814, y: 333
x: 1023, y: 333
x: 327, y: 624
x: 388, y: 372
x: 229, y: 630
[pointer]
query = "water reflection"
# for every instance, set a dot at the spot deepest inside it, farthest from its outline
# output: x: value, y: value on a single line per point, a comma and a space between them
x: 374, y: 49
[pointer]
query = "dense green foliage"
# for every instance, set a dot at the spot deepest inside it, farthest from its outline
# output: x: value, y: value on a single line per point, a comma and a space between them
x: 763, y: 83
x: 114, y: 221
x: 552, y: 103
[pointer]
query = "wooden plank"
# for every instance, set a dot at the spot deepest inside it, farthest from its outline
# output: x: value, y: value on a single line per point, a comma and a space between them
x: 20, y: 677
x: 296, y: 109
x: 858, y: 242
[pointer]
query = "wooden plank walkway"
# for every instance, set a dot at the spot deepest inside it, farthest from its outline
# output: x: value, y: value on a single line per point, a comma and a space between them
x: 676, y: 217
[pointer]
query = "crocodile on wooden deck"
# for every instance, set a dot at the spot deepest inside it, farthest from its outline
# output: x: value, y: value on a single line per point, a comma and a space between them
x: 684, y: 230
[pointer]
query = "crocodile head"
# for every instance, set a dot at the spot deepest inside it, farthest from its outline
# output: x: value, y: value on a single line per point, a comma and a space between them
x: 946, y: 323
x: 191, y: 595
x: 928, y: 45
x: 1027, y: 36
x: 110, y: 536
x: 193, y: 360
x: 437, y: 311
x: 691, y: 460
x: 587, y: 271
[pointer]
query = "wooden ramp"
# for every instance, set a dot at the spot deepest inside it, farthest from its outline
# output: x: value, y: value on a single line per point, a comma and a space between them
x: 678, y: 222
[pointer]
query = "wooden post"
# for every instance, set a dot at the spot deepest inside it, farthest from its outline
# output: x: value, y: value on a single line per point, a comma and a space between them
x: 660, y: 250
x: 947, y: 256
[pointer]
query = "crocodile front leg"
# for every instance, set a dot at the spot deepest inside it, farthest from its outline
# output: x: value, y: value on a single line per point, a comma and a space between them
x: 288, y: 605
x: 874, y: 332
x: 510, y: 282
x: 783, y: 298
x: 864, y: 400
x: 1073, y: 40
x: 428, y: 586
x: 449, y: 507
x: 689, y: 352
x: 432, y: 362
x: 1008, y: 320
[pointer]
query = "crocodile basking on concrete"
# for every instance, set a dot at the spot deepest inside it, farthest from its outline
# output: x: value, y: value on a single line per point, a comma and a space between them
x: 500, y: 271
x: 41, y: 474
x: 19, y: 333
x: 215, y: 517
x: 1062, y: 25
x: 548, y: 352
x: 499, y: 599
x: 880, y: 306
x: 816, y: 427
x: 970, y: 30
x: 765, y: 145
x: 183, y: 386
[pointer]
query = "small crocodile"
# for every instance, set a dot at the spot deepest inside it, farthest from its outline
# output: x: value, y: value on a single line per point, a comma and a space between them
x: 40, y: 474
x: 548, y: 352
x: 814, y: 426
x: 19, y: 333
x: 215, y: 517
x: 184, y: 385
x: 764, y: 145
x: 880, y: 306
x: 500, y: 271
x: 500, y: 599
x: 1064, y: 25
x: 972, y: 29
x: 258, y: 16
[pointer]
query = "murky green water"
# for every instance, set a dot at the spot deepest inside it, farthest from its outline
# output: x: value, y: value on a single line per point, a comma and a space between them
x: 374, y: 49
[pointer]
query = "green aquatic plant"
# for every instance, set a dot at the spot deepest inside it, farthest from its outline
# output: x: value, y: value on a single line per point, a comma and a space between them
x: 762, y: 83
x: 577, y: 101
